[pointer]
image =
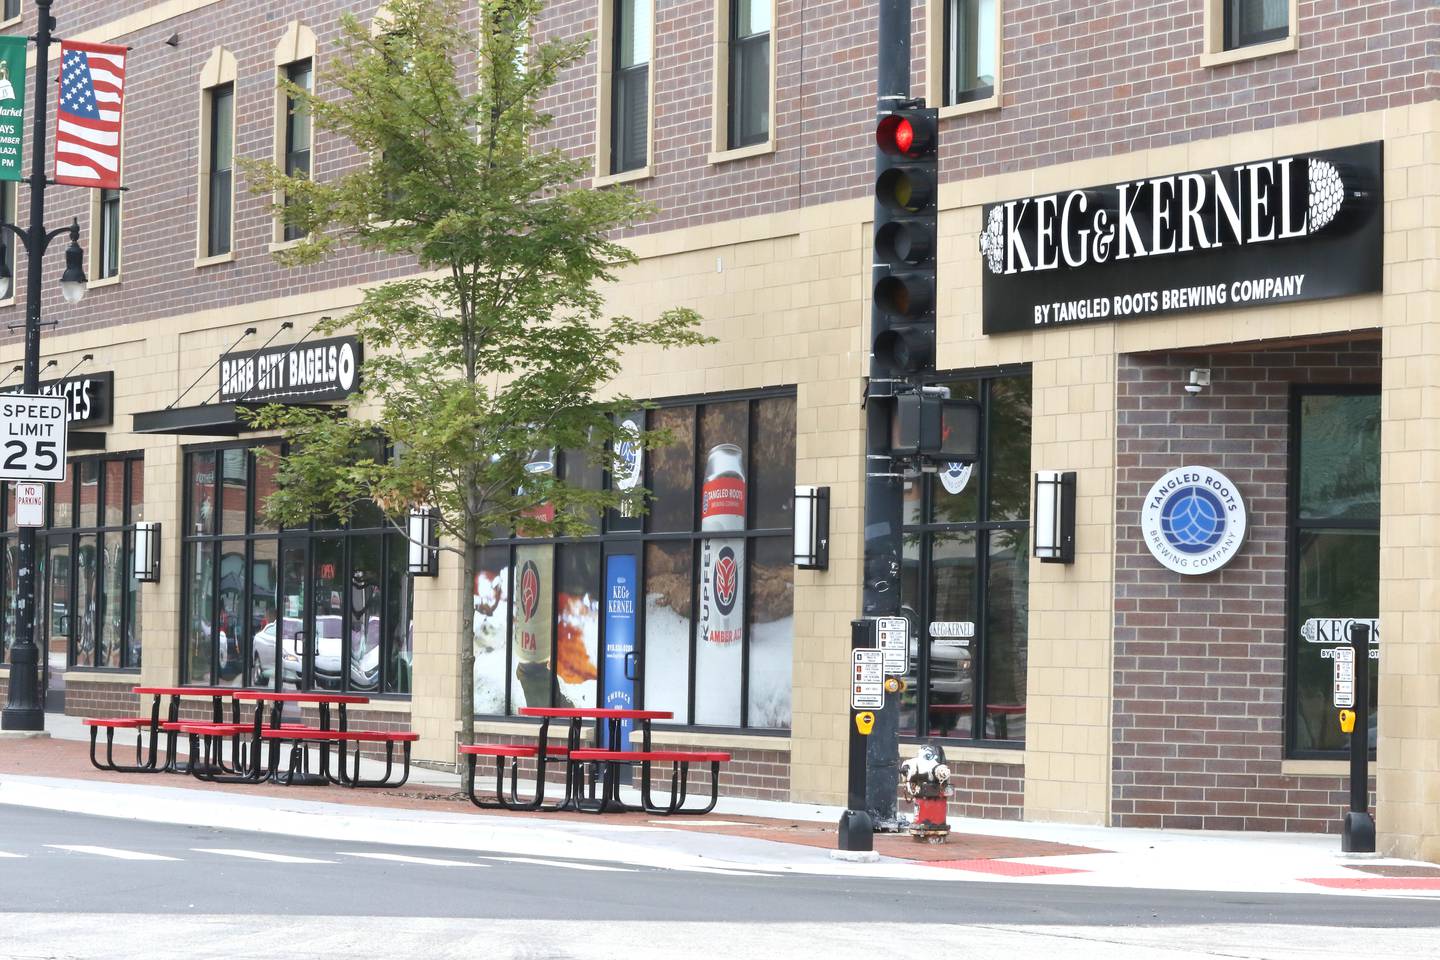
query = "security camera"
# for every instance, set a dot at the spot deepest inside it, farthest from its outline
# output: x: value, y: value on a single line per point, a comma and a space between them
x: 1199, y: 380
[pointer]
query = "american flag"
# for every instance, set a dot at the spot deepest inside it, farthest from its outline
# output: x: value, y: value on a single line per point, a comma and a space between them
x: 87, y: 137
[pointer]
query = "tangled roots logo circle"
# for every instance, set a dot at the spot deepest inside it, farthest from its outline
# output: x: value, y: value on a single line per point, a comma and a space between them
x: 726, y: 581
x: 529, y: 589
x: 1193, y: 520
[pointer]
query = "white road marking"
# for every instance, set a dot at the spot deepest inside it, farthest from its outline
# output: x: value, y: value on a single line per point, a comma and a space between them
x: 401, y: 858
x: 563, y: 863
x: 109, y: 852
x: 257, y: 855
x: 11, y: 856
x: 722, y: 871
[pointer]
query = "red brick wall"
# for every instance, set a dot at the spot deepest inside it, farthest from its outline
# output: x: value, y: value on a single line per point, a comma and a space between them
x: 102, y: 699
x: 1200, y: 660
x: 1079, y: 81
x: 988, y: 791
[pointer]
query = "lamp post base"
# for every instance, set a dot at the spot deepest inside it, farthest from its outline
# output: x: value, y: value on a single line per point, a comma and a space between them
x: 24, y: 710
x: 1358, y: 833
x: 856, y: 833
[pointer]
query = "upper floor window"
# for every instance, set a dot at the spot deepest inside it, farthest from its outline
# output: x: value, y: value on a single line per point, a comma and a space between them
x: 222, y: 152
x: 106, y: 240
x: 7, y: 215
x: 630, y: 91
x: 297, y: 130
x: 749, y: 66
x: 1251, y: 22
x: 970, y: 49
x: 11, y: 10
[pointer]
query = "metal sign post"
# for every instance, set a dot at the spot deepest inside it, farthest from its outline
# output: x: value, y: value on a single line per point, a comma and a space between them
x: 1358, y: 833
x: 856, y: 832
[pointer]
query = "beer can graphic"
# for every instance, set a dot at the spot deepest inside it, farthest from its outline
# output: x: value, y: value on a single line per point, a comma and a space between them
x: 722, y: 559
x: 534, y: 585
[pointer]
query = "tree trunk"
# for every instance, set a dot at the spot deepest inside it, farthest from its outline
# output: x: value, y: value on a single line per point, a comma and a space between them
x: 466, y: 632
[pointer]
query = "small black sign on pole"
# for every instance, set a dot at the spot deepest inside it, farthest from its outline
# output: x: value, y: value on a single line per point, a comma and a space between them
x: 856, y: 830
x: 1358, y: 833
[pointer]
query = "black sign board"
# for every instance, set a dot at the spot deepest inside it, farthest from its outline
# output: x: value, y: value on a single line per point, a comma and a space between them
x: 91, y: 398
x: 309, y: 372
x: 1288, y: 229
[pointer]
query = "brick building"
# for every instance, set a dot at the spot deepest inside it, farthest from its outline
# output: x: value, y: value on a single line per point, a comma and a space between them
x: 1112, y: 689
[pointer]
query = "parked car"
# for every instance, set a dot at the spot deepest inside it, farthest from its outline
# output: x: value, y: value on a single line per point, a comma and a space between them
x: 262, y: 651
x: 364, y: 652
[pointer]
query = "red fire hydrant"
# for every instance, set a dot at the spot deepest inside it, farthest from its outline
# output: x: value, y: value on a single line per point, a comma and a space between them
x: 927, y: 783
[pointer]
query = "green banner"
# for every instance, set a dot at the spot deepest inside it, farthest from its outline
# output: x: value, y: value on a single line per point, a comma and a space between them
x: 13, y: 51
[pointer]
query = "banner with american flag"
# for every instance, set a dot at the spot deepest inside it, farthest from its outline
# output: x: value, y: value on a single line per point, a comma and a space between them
x: 87, y: 135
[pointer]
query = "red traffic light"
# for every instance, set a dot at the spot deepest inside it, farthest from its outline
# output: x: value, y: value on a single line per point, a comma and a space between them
x: 902, y: 135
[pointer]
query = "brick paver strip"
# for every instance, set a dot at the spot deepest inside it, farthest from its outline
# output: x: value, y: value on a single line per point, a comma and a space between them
x: 1375, y: 883
x: 69, y: 759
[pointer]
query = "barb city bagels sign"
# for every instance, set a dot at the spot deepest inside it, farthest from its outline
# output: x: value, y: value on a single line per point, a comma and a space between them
x: 1193, y: 520
x: 1288, y: 229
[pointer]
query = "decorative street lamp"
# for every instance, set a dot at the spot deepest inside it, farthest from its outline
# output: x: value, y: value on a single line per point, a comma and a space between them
x: 24, y: 710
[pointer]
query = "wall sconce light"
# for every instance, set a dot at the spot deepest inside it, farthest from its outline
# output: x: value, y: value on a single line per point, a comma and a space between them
x: 1055, y: 516
x: 812, y: 528
x: 1199, y: 380
x: 145, y: 557
x: 423, y: 531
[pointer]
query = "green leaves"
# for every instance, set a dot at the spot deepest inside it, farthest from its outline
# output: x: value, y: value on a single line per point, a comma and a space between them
x: 492, y: 355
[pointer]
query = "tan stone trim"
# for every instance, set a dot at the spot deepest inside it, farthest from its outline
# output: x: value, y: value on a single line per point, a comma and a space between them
x: 604, y: 80
x: 959, y: 754
x: 732, y: 741
x: 381, y: 706
x: 211, y: 261
x: 1314, y: 768
x: 131, y: 679
x: 720, y: 88
x: 13, y: 21
x: 1213, y: 52
x: 298, y: 43
x: 95, y: 245
x: 935, y: 62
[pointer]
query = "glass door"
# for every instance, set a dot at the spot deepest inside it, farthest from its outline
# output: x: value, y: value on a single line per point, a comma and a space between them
x: 292, y: 632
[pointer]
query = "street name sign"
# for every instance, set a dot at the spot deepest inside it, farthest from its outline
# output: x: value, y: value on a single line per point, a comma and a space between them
x: 892, y: 637
x: 867, y: 680
x: 32, y: 437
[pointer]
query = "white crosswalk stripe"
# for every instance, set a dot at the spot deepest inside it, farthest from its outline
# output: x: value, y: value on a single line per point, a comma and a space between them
x: 563, y: 863
x: 258, y: 855
x: 11, y: 856
x: 111, y: 852
x: 402, y: 858
x: 723, y: 871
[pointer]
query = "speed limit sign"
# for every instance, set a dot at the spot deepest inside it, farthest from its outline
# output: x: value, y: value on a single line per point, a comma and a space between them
x: 32, y: 437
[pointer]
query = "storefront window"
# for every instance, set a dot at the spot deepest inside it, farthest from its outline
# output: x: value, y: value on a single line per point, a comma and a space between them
x: 295, y: 609
x: 87, y: 610
x: 712, y: 641
x: 965, y: 570
x: 1335, y: 570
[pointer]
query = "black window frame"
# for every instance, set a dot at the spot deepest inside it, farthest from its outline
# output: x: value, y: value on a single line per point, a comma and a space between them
x: 948, y: 83
x: 624, y: 82
x: 220, y: 227
x: 983, y: 528
x: 392, y: 539
x: 635, y: 535
x: 1294, y: 526
x: 738, y: 134
x: 1235, y: 36
x: 108, y: 234
x: 130, y: 655
x: 297, y: 158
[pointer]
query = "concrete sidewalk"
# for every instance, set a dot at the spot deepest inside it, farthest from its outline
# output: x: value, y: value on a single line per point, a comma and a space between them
x: 741, y: 834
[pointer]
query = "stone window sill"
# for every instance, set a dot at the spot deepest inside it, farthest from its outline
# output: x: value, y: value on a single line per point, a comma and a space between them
x: 742, y: 153
x: 1221, y: 58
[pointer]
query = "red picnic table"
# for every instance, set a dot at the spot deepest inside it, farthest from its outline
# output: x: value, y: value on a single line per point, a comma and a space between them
x: 277, y: 700
x: 217, y: 697
x: 614, y: 721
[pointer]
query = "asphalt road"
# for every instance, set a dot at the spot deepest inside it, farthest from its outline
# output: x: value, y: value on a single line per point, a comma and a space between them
x: 66, y: 863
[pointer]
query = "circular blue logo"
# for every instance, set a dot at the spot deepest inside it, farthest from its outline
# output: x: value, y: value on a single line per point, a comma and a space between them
x: 1193, y: 520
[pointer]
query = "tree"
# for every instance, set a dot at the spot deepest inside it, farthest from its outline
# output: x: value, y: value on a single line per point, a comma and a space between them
x: 492, y: 355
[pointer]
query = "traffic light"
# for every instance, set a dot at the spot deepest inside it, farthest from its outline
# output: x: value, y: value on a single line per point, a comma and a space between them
x: 906, y: 188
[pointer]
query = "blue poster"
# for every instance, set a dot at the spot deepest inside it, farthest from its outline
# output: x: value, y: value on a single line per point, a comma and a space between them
x: 621, y: 591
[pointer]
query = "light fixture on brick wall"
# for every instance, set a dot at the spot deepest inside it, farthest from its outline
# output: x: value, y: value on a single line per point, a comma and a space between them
x: 1055, y: 516
x: 1199, y: 380
x: 145, y: 555
x: 423, y: 531
x: 812, y: 528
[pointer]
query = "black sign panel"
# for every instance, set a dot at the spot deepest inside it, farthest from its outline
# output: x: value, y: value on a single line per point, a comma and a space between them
x: 310, y: 372
x: 91, y: 397
x: 1288, y: 229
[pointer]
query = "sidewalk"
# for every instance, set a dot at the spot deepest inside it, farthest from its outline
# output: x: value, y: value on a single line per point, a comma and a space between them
x: 742, y: 834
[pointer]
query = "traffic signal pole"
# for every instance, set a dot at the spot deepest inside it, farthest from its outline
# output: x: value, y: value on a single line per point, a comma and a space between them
x: 884, y: 487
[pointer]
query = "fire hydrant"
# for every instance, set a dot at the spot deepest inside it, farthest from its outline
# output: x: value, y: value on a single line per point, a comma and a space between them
x: 927, y: 783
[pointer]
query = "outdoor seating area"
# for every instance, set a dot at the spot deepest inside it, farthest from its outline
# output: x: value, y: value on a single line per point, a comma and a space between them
x: 593, y: 776
x: 260, y: 747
